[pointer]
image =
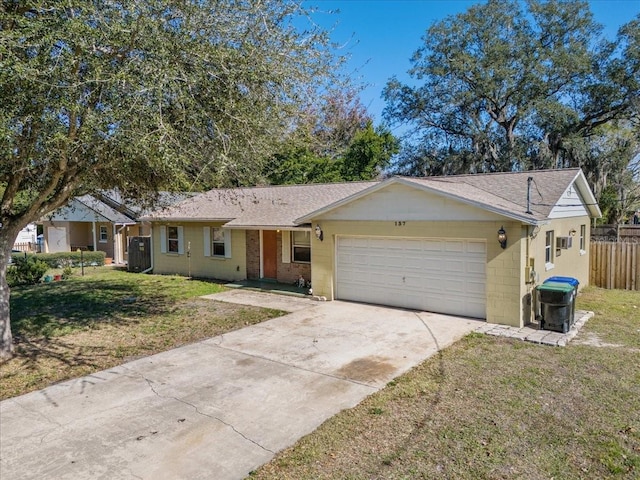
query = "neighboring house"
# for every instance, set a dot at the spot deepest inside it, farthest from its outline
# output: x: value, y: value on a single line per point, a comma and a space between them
x: 27, y: 238
x: 428, y: 244
x: 99, y: 222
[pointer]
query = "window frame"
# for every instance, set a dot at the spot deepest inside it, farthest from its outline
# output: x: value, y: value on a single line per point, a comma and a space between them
x: 221, y: 242
x: 105, y: 238
x: 583, y: 238
x: 175, y: 240
x: 549, y: 238
x: 297, y: 247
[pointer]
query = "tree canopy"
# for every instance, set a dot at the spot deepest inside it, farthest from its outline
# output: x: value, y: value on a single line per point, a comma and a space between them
x: 335, y: 141
x: 143, y: 95
x: 511, y: 85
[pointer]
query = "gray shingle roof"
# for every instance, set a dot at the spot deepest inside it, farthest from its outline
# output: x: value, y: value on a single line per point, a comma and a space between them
x: 293, y: 205
x: 506, y: 191
x: 273, y: 206
x: 101, y: 208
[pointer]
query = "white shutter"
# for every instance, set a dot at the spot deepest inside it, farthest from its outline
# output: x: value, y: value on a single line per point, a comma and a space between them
x: 163, y: 239
x: 180, y: 240
x: 227, y: 243
x: 286, y: 246
x: 206, y: 232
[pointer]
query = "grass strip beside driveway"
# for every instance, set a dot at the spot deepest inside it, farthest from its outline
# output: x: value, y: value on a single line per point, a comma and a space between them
x: 85, y: 324
x: 490, y: 407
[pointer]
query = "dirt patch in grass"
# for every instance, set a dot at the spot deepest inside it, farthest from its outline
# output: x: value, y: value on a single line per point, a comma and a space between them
x: 492, y: 408
x: 77, y: 327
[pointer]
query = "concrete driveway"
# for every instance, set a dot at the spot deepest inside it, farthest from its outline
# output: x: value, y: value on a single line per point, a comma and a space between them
x: 219, y: 408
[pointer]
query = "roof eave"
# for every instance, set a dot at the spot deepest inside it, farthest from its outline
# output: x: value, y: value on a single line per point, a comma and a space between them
x: 268, y: 227
x: 184, y: 219
x: 590, y: 200
x: 332, y: 206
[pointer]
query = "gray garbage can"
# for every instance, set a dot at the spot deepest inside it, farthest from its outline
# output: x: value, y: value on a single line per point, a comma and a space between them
x: 574, y: 283
x: 556, y: 306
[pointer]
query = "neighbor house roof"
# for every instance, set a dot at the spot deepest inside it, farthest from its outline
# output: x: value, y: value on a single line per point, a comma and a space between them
x: 502, y: 193
x: 107, y: 213
x: 273, y: 206
x: 110, y: 206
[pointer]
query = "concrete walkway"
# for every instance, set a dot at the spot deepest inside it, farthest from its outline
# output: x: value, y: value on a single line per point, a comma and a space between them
x: 533, y: 334
x: 219, y: 408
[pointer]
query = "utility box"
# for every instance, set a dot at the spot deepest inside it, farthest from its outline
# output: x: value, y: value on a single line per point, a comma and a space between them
x: 139, y: 254
x: 556, y: 302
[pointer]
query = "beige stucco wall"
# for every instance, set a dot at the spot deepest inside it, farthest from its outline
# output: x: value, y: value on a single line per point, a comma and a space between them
x: 234, y: 268
x: 571, y: 262
x: 505, y: 287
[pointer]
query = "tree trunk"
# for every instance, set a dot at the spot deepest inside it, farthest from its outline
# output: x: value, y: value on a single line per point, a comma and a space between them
x: 6, y: 340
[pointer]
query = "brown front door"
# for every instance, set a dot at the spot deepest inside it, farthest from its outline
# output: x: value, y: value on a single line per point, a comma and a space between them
x: 269, y: 252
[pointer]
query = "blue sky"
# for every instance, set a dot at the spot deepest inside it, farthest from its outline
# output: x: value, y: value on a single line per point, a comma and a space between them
x: 381, y: 35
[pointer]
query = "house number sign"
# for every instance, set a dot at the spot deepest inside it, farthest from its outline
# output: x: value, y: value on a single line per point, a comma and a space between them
x: 400, y: 223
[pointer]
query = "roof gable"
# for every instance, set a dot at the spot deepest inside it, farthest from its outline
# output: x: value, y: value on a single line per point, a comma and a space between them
x: 511, y: 194
x: 80, y: 209
x: 399, y: 201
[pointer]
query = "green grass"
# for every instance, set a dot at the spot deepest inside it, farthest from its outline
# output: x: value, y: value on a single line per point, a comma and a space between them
x: 84, y: 324
x: 490, y: 408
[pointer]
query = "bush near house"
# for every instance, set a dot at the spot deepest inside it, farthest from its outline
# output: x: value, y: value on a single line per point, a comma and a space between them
x: 26, y: 271
x: 64, y: 259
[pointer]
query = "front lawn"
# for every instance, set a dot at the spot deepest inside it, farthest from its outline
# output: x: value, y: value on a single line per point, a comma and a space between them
x: 84, y: 324
x: 495, y: 408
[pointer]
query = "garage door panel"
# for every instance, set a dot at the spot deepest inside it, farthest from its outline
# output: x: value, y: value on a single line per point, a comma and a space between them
x: 454, y: 246
x: 476, y: 247
x: 438, y: 275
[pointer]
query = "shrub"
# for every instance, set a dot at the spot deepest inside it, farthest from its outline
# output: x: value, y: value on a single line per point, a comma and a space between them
x: 65, y: 259
x: 25, y: 271
x: 67, y: 272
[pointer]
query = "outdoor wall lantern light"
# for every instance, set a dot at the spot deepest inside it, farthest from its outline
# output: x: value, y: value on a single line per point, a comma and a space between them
x: 319, y: 234
x: 572, y: 232
x: 502, y: 237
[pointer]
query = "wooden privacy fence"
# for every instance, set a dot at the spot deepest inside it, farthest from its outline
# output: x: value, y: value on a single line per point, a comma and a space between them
x: 615, y: 265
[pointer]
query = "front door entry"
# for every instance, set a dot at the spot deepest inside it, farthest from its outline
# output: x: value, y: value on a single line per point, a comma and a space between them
x: 269, y: 254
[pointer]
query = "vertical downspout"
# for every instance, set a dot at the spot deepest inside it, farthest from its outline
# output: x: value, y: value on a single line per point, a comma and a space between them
x: 113, y: 244
x: 261, y: 258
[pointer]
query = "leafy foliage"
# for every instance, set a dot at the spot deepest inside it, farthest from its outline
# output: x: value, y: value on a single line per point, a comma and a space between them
x: 26, y: 271
x: 335, y: 142
x: 509, y: 86
x: 145, y: 95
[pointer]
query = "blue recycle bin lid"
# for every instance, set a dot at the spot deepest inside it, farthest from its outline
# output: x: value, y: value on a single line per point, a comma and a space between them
x: 555, y: 287
x: 570, y: 280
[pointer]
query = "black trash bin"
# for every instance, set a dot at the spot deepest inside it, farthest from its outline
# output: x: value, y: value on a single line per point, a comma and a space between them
x: 574, y: 283
x: 556, y: 306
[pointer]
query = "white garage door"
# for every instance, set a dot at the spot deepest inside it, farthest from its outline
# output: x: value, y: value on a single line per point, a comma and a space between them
x: 436, y: 275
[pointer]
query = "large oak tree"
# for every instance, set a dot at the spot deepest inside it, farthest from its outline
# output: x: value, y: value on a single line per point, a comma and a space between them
x: 143, y: 95
x: 510, y: 85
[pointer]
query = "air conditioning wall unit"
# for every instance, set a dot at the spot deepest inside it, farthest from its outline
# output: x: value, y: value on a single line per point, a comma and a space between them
x: 564, y: 242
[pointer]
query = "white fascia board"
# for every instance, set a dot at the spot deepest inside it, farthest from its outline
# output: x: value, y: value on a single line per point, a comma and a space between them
x: 524, y: 218
x: 587, y: 195
x: 307, y: 218
x: 268, y: 227
x: 184, y: 220
x: 393, y: 180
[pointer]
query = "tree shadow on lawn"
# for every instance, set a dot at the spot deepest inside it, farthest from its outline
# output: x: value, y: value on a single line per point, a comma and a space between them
x: 55, y: 309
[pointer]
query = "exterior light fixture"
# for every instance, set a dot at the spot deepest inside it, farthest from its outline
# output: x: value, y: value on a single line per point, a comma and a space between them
x: 502, y: 237
x: 572, y: 232
x: 319, y: 233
